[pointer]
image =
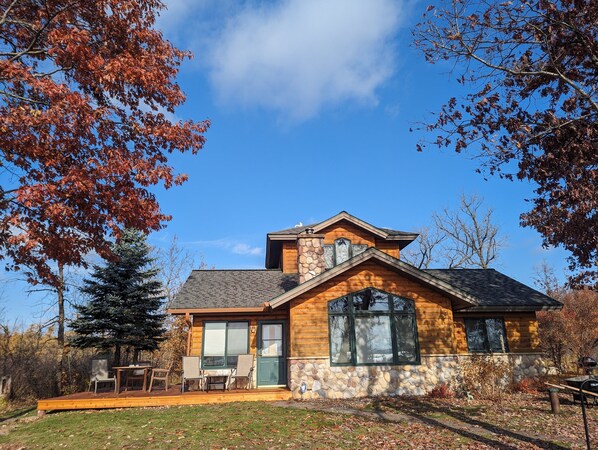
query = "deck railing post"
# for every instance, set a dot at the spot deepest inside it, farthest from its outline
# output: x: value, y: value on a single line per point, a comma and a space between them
x: 554, y: 400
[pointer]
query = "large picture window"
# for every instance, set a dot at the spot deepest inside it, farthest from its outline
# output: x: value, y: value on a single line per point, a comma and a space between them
x: 486, y: 335
x: 341, y: 251
x: 223, y: 342
x: 372, y: 327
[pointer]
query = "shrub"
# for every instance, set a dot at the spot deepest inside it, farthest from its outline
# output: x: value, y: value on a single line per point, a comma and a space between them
x: 31, y: 357
x: 441, y: 390
x: 527, y: 385
x: 485, y: 376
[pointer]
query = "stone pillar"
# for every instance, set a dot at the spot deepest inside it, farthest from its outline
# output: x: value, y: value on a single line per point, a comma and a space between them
x: 310, y: 255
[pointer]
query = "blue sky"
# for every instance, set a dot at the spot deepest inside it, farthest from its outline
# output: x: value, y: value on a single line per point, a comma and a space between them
x: 311, y: 102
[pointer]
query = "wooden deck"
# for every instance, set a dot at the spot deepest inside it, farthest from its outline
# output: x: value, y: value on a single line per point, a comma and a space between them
x: 171, y: 397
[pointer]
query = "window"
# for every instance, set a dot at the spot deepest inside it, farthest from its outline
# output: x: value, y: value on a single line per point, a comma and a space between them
x: 372, y: 327
x: 341, y: 251
x: 223, y: 342
x: 486, y: 335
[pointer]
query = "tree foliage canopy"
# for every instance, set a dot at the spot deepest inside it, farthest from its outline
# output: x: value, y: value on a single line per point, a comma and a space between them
x: 532, y: 112
x: 125, y: 301
x: 87, y: 94
x: 570, y: 334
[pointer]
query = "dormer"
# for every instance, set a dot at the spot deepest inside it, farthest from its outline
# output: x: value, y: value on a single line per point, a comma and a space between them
x: 341, y: 237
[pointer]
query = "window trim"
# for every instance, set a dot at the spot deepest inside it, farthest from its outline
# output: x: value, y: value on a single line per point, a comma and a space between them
x: 203, y: 341
x: 487, y: 341
x: 351, y: 313
x: 333, y: 247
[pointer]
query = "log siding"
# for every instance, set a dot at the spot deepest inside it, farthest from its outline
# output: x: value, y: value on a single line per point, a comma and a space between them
x: 309, y: 312
x: 521, y: 328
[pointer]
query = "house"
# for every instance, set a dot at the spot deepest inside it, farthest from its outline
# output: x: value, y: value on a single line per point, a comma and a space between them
x: 335, y: 308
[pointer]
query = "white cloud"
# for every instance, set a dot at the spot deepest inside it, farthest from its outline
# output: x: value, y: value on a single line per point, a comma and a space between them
x: 231, y: 245
x: 244, y: 249
x: 299, y: 56
x: 295, y: 57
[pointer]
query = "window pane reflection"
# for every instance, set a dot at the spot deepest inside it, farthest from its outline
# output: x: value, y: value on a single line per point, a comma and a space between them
x: 373, y: 342
x: 339, y: 305
x: 341, y: 247
x: 370, y: 300
x: 340, y: 345
x: 405, y: 336
x: 329, y: 256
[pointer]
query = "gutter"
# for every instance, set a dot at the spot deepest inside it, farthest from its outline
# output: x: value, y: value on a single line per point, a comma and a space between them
x: 215, y: 310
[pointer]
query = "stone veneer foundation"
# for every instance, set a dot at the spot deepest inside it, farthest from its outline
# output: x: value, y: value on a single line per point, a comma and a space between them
x: 325, y: 381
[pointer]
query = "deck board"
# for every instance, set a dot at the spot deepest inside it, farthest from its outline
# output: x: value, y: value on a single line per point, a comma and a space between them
x: 171, y: 397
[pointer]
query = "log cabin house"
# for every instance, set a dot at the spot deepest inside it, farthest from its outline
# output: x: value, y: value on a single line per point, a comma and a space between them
x: 335, y: 308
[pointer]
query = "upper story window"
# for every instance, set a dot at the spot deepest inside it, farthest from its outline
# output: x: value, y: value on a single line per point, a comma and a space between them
x: 486, y: 335
x: 341, y: 251
x: 372, y: 327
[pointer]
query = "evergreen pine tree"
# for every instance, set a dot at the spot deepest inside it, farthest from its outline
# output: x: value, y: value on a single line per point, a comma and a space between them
x: 125, y: 300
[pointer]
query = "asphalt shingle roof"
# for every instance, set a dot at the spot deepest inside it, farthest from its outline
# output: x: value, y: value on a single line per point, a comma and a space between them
x: 295, y: 230
x: 494, y: 289
x: 206, y: 289
x: 392, y: 232
x: 232, y: 288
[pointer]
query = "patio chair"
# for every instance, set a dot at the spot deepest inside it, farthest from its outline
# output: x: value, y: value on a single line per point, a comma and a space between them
x: 192, y: 371
x: 244, y: 370
x: 159, y: 374
x: 138, y: 375
x: 99, y: 373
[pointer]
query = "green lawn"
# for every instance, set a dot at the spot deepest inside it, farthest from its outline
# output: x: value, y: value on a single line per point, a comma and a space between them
x: 523, y: 421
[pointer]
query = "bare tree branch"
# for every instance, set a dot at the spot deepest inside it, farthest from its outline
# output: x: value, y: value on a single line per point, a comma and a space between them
x: 465, y: 237
x: 428, y: 243
x: 532, y: 109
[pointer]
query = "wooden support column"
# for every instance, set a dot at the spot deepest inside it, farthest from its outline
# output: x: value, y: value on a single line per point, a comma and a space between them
x: 189, y: 320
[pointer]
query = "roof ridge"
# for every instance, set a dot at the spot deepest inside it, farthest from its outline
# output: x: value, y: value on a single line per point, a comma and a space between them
x: 463, y: 268
x: 339, y: 216
x: 236, y: 270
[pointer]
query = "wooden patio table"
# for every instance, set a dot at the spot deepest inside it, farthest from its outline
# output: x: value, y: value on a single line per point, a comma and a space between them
x: 210, y: 374
x: 120, y: 369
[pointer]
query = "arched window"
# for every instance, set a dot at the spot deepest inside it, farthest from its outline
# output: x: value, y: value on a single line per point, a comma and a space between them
x: 372, y: 327
x: 341, y: 251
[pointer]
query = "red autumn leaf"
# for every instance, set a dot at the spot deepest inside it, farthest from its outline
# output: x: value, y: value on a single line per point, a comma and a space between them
x: 86, y: 88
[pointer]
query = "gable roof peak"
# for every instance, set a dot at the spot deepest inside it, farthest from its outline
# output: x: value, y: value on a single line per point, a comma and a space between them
x: 274, y: 238
x: 385, y: 233
x: 461, y: 297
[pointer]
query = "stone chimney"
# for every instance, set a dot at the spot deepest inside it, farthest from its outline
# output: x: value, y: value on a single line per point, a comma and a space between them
x: 310, y: 255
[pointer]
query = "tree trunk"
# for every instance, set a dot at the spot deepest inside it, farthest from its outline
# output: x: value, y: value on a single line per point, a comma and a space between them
x: 60, y: 292
x: 63, y: 380
x: 116, y: 355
